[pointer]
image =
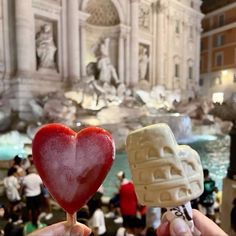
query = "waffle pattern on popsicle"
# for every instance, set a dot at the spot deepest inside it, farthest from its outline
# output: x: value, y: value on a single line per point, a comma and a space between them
x: 164, y: 173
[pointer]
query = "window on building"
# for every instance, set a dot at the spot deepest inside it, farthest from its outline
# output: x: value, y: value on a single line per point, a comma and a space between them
x: 234, y: 80
x: 192, y: 4
x: 191, y: 32
x: 202, y: 46
x: 201, y: 64
x: 219, y: 59
x: 177, y: 27
x: 190, y: 72
x: 221, y: 20
x: 201, y: 82
x: 235, y: 55
x: 177, y: 70
x: 219, y: 40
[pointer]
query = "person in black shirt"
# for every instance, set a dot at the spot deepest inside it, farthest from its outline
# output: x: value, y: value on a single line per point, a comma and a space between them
x: 206, y: 202
x: 233, y: 217
x: 14, y: 227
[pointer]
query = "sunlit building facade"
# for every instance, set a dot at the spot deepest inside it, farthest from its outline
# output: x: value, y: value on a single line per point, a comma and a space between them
x: 218, y: 48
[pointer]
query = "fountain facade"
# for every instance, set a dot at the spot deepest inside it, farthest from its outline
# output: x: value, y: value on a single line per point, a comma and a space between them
x: 47, y: 45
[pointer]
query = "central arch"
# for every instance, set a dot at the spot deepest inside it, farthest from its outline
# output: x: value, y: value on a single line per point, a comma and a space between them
x: 116, y: 3
x: 102, y: 13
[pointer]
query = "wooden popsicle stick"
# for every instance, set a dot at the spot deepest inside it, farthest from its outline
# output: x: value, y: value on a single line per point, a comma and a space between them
x: 71, y: 219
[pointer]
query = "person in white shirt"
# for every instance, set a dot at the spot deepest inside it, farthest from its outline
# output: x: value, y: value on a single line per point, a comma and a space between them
x: 32, y: 184
x: 12, y: 187
x: 97, y: 219
x: 17, y: 163
x: 134, y: 226
x: 123, y: 232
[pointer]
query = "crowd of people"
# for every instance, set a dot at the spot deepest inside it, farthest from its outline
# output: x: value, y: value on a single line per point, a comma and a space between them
x: 28, y: 199
x: 29, y: 203
x: 141, y: 220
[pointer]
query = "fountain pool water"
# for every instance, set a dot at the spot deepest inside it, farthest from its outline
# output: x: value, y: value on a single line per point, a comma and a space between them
x: 213, y: 150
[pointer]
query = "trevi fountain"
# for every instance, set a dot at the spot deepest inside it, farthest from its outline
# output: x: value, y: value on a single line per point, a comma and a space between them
x: 118, y: 64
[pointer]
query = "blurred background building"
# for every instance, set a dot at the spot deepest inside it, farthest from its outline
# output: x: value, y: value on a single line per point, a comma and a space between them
x: 46, y: 45
x: 218, y: 48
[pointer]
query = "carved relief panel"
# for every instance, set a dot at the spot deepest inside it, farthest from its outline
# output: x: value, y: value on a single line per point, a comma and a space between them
x: 46, y: 44
x: 145, y: 14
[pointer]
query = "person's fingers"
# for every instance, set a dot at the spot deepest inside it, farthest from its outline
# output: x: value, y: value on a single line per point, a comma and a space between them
x: 61, y: 229
x: 178, y: 227
x: 206, y: 226
x: 80, y: 230
x: 163, y: 229
x: 55, y: 229
x: 164, y: 218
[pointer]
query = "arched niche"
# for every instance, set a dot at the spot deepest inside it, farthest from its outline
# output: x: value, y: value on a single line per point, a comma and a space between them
x: 104, y: 20
x: 116, y: 3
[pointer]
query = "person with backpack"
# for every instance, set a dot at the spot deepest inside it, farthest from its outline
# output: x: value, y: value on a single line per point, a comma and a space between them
x: 206, y: 202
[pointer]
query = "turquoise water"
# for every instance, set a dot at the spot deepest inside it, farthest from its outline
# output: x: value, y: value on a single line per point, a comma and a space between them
x: 213, y: 151
x: 8, y: 152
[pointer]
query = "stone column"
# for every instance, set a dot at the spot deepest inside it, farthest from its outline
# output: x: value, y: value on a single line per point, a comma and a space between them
x: 134, y: 44
x: 185, y: 66
x: 198, y: 56
x: 83, y: 16
x: 121, y: 57
x: 127, y: 60
x: 24, y: 37
x: 170, y: 66
x: 160, y: 45
x: 82, y: 49
x: 73, y: 41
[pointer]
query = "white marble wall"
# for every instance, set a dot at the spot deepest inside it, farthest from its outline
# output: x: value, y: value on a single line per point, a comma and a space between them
x: 168, y: 47
x: 1, y: 41
x: 141, y: 22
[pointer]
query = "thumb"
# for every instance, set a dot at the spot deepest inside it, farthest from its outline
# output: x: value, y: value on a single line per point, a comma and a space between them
x: 178, y: 227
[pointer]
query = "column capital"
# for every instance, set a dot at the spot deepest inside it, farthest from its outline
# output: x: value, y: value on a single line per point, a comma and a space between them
x: 83, y: 16
x: 160, y: 6
x: 134, y: 1
x: 124, y: 30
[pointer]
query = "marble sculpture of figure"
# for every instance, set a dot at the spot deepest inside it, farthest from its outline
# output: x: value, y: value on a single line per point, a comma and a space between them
x: 97, y: 87
x: 45, y: 47
x: 107, y: 72
x: 143, y: 63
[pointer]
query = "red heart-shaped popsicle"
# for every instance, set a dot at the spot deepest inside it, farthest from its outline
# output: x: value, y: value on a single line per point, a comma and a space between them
x: 72, y: 165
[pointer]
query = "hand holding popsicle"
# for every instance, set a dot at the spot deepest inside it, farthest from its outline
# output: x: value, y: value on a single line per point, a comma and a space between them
x: 61, y: 228
x: 178, y: 227
x: 72, y: 165
x: 165, y: 174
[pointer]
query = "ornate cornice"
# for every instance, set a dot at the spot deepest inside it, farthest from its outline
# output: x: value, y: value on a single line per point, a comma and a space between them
x: 47, y: 7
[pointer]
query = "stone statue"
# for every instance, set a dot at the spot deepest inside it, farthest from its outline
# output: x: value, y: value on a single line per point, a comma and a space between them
x: 96, y: 85
x: 45, y: 48
x: 144, y: 16
x: 143, y: 63
x: 107, y: 72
